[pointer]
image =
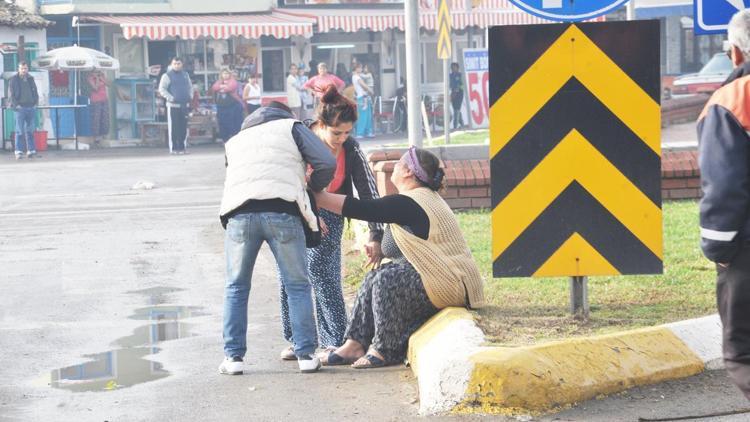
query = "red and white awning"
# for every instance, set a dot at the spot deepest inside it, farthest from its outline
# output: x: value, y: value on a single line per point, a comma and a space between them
x: 488, y: 13
x: 378, y: 20
x: 190, y: 27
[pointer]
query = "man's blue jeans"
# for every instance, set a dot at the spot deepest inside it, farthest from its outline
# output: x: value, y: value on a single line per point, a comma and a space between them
x: 25, y: 129
x: 244, y: 236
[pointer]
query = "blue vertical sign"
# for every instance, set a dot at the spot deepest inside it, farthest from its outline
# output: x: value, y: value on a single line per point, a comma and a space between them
x: 569, y: 10
x: 713, y: 16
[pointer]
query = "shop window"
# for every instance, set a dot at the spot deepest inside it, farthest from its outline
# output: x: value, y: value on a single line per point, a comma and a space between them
x: 130, y: 54
x: 245, y: 58
x: 433, y: 67
x: 10, y: 61
x: 274, y: 65
x: 203, y: 59
x: 323, y: 55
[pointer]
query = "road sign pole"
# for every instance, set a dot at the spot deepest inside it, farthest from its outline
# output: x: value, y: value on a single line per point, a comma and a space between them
x: 413, y: 72
x: 631, y: 10
x: 579, y: 296
x: 446, y: 102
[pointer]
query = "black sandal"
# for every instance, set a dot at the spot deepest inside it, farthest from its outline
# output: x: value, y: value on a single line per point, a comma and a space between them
x: 336, y: 360
x: 373, y: 362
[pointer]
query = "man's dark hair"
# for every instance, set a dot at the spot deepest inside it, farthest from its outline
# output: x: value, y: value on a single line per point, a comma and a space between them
x: 280, y: 106
x: 23, y: 63
x: 176, y: 59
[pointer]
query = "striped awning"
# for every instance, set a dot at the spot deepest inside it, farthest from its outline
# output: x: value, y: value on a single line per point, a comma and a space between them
x: 487, y: 13
x: 190, y: 27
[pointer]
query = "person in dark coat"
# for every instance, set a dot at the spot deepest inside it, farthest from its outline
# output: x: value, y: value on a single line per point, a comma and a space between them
x: 24, y: 98
x: 724, y: 160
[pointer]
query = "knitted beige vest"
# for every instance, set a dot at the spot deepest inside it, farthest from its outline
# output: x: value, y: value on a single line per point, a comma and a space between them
x: 444, y: 260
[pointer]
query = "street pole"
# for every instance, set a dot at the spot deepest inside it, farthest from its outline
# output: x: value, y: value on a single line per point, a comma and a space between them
x: 631, y: 10
x: 413, y: 72
x: 446, y: 102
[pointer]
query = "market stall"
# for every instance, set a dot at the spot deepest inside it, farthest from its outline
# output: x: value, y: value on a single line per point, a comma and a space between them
x: 262, y: 44
x: 61, y: 62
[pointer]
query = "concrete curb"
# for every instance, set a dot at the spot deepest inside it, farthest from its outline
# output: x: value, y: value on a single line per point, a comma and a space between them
x: 456, y: 373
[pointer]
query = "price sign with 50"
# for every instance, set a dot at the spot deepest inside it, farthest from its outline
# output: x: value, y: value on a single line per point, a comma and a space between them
x: 476, y: 69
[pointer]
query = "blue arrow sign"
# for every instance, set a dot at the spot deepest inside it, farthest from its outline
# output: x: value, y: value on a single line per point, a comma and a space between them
x: 712, y: 16
x: 568, y: 10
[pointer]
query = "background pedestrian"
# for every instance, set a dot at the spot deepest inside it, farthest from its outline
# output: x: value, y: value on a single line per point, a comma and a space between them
x: 98, y: 105
x: 175, y: 86
x: 293, y: 87
x: 252, y: 94
x: 457, y: 95
x: 364, y: 104
x: 229, y: 105
x: 24, y: 98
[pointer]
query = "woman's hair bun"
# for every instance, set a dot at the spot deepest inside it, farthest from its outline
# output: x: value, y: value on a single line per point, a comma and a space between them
x: 437, y: 181
x: 330, y: 94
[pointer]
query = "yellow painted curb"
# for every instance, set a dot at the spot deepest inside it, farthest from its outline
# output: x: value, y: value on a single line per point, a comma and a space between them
x: 430, y: 329
x: 543, y: 377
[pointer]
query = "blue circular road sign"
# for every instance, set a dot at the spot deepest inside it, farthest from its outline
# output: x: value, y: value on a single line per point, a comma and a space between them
x: 568, y: 10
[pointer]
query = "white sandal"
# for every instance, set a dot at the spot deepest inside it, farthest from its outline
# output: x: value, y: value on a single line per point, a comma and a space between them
x: 288, y: 354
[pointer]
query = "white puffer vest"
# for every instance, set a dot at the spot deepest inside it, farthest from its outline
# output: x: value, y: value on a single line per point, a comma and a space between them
x: 263, y: 162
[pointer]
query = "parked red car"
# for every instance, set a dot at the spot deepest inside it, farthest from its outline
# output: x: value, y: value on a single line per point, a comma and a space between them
x: 708, y: 80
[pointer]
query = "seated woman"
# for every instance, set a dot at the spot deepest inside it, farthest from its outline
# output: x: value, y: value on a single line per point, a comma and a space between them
x: 431, y: 265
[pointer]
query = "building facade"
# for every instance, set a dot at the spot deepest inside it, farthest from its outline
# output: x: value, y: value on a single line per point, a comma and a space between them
x: 682, y: 51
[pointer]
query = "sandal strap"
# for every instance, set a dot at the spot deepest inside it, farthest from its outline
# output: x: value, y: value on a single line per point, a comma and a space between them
x: 374, y: 360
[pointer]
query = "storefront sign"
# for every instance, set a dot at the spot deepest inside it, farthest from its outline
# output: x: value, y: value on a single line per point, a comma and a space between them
x: 476, y: 71
x: 568, y: 11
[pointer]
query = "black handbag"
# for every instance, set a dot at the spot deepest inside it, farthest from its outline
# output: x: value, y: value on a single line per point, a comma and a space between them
x: 312, y: 238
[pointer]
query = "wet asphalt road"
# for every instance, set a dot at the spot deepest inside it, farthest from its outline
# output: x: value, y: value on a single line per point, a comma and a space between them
x: 110, y: 309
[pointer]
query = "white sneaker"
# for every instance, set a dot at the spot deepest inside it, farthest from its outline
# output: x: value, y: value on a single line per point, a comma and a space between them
x: 288, y: 354
x: 231, y: 366
x: 308, y: 364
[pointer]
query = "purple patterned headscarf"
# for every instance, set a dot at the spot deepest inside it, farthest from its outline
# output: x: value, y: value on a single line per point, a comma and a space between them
x: 410, y: 158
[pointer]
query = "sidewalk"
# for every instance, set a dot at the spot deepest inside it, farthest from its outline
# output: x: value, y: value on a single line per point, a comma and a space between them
x: 681, y: 136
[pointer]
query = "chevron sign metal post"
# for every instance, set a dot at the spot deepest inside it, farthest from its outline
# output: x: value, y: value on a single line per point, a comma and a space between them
x: 575, y: 149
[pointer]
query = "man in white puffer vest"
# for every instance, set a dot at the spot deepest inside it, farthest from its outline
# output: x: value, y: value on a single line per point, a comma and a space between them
x: 265, y: 200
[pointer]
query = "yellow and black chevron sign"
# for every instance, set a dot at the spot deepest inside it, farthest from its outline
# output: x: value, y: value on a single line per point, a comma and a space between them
x: 444, y: 31
x: 575, y: 149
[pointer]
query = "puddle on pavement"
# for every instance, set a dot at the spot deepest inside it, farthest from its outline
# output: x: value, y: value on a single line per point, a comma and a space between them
x: 126, y: 366
x: 109, y: 371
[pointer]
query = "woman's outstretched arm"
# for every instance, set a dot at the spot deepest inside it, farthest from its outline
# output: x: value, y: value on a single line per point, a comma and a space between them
x: 331, y: 201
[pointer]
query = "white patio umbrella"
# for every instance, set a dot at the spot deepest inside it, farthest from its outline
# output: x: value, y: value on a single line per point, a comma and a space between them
x: 76, y: 58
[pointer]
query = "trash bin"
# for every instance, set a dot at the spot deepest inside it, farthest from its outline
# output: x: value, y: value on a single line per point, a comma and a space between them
x: 40, y: 140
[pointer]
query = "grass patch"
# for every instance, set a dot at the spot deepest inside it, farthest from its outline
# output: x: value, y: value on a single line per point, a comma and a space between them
x: 528, y: 310
x: 457, y: 138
